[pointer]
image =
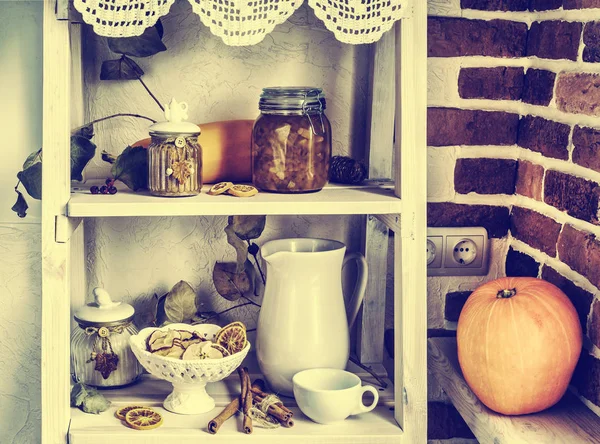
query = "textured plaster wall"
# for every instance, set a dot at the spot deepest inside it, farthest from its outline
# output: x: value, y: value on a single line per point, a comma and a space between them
x: 219, y: 83
x: 20, y: 265
x: 222, y: 83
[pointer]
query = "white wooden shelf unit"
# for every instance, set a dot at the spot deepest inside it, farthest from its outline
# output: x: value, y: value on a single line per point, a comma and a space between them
x: 397, y: 121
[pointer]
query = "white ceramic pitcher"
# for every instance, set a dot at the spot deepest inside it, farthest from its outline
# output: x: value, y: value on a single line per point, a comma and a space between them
x: 303, y: 322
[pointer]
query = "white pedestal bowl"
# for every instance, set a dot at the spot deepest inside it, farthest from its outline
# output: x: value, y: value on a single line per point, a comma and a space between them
x: 189, y: 378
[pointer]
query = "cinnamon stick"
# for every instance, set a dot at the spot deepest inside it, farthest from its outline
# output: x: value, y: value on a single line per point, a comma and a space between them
x: 215, y: 424
x: 246, y: 399
x: 260, y: 386
x: 289, y: 423
x: 257, y: 391
x: 275, y: 410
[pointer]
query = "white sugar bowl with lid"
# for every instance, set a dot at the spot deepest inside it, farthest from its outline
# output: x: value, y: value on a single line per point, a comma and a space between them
x: 100, y: 352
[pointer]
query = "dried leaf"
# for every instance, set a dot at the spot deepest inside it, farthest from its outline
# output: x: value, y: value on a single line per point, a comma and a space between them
x: 108, y: 157
x: 240, y: 248
x: 34, y: 157
x: 161, y: 316
x: 88, y: 399
x: 159, y: 28
x: 204, y: 316
x: 131, y: 167
x: 229, y: 283
x: 120, y: 69
x: 78, y: 393
x: 247, y: 227
x: 82, y: 151
x: 86, y: 131
x: 95, y: 404
x: 31, y: 178
x: 20, y: 206
x: 180, y: 303
x: 145, y: 45
x: 146, y: 317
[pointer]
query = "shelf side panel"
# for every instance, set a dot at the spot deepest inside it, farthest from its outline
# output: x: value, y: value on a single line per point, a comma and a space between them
x: 55, y: 256
x: 410, y: 293
x: 371, y: 323
x: 77, y: 249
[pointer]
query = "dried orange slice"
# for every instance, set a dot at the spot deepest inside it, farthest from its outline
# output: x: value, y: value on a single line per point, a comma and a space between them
x: 218, y: 351
x: 219, y: 188
x: 143, y: 419
x: 242, y: 191
x: 232, y: 337
x: 120, y: 413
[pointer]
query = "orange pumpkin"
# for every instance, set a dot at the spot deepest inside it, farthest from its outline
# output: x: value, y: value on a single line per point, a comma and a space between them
x: 226, y: 151
x: 519, y: 340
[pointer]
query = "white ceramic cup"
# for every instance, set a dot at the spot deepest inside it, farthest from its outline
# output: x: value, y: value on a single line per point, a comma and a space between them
x: 329, y: 395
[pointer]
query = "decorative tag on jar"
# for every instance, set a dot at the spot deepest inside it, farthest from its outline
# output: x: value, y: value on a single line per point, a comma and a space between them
x: 182, y: 170
x: 107, y: 360
x: 106, y: 363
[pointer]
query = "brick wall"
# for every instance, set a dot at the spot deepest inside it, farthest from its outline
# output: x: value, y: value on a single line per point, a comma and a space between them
x: 514, y: 146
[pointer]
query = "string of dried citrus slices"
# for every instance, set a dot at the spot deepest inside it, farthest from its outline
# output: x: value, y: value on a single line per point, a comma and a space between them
x: 234, y: 190
x: 187, y: 345
x: 139, y: 418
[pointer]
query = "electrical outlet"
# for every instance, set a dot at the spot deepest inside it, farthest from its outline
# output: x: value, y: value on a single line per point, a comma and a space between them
x: 435, y: 250
x: 457, y: 251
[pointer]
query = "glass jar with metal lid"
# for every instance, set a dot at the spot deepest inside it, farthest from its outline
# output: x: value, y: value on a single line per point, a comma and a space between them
x: 174, y: 155
x: 100, y: 353
x: 291, y: 141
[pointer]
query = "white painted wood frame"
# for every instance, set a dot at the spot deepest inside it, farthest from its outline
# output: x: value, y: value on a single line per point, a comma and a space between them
x: 410, y: 282
x: 56, y: 170
x: 380, y: 124
x: 64, y: 282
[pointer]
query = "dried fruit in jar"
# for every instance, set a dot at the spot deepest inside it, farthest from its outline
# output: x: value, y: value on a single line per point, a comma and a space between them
x: 288, y: 156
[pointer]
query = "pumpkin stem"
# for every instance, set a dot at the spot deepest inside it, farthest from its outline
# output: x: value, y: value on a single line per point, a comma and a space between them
x: 506, y: 293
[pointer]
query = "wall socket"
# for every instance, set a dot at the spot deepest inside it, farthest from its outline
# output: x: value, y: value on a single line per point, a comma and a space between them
x: 460, y: 251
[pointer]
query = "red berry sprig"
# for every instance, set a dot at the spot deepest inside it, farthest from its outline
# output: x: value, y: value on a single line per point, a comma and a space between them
x: 109, y: 188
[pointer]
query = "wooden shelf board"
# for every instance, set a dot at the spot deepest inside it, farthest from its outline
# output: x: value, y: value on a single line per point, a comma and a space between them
x: 569, y: 421
x: 378, y: 426
x: 374, y: 198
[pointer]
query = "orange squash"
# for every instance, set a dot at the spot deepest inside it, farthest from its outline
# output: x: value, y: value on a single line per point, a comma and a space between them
x: 519, y: 340
x: 226, y: 151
